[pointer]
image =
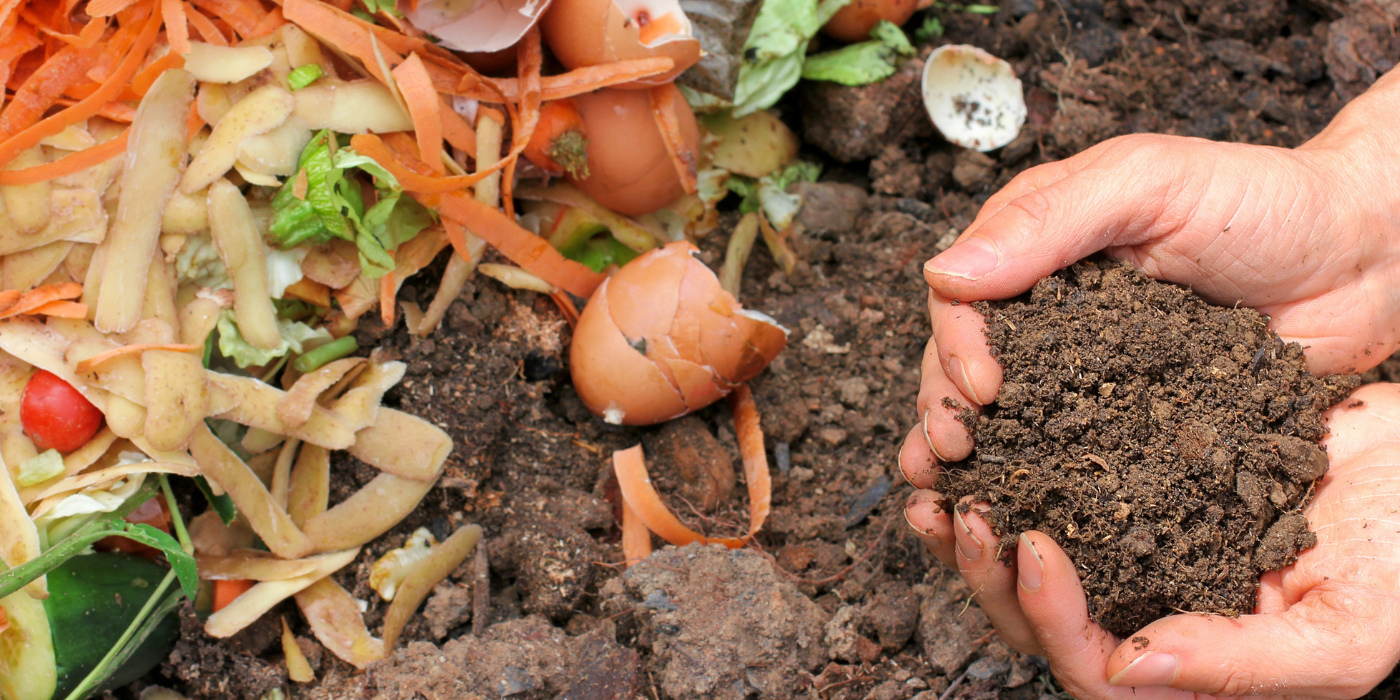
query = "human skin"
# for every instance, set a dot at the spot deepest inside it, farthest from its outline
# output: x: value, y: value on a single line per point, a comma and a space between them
x: 1309, y: 236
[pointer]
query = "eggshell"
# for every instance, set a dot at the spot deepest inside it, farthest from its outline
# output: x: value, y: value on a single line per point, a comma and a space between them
x: 974, y: 98
x: 476, y: 26
x: 630, y: 171
x: 585, y: 33
x: 853, y: 22
x: 661, y: 338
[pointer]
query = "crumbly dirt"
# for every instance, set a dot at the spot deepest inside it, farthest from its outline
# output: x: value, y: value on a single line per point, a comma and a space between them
x: 530, y: 462
x: 1168, y: 445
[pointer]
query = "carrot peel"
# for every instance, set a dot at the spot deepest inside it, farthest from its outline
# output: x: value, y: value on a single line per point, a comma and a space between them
x: 92, y: 362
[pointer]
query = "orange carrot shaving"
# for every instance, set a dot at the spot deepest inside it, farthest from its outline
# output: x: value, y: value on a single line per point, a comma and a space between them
x: 62, y: 309
x: 143, y: 80
x: 87, y: 365
x: 372, y: 146
x: 42, y: 88
x: 9, y: 298
x: 637, y: 492
x: 663, y: 109
x: 424, y: 106
x: 659, y: 27
x: 226, y: 591
x: 244, y: 17
x: 750, y: 435
x: 269, y: 24
x: 531, y: 62
x: 558, y: 144
x: 177, y: 28
x: 566, y: 306
x: 329, y: 21
x: 575, y: 82
x: 205, y: 27
x: 91, y: 105
x: 21, y: 40
x: 107, y: 8
x: 67, y: 165
x: 386, y: 299
x: 636, y: 538
x: 457, y: 236
x: 456, y: 130
x: 36, y: 298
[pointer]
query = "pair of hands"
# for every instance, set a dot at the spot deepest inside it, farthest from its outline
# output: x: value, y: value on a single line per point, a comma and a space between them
x: 1310, y: 237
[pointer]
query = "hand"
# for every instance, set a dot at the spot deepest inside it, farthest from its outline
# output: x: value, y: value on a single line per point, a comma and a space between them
x: 1327, y: 626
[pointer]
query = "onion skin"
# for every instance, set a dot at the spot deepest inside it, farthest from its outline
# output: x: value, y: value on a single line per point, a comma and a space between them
x: 853, y: 22
x: 630, y: 170
x: 661, y: 338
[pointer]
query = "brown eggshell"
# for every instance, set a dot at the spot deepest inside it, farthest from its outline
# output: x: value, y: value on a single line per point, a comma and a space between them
x: 630, y: 170
x: 853, y: 22
x: 611, y: 377
x: 697, y: 337
x: 585, y: 33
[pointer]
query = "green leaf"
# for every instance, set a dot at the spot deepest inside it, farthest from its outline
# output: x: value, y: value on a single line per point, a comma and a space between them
x: 601, y: 251
x: 328, y: 204
x: 304, y: 76
x: 347, y: 158
x: 775, y: 49
x: 391, y: 222
x: 39, y: 468
x: 295, y: 338
x: 982, y: 9
x: 181, y: 562
x: 222, y: 505
x: 746, y: 188
x: 863, y: 63
x: 932, y: 28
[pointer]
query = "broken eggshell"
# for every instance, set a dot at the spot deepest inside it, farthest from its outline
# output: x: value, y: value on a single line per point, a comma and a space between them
x: 477, y: 26
x: 584, y: 33
x: 661, y: 338
x: 853, y: 22
x: 973, y: 97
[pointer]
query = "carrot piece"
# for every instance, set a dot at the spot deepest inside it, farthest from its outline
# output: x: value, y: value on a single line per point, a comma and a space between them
x: 637, y: 492
x: 226, y: 591
x: 372, y: 146
x: 269, y: 24
x: 457, y: 236
x: 424, y: 106
x: 9, y: 298
x: 107, y: 8
x: 87, y: 365
x: 337, y: 25
x: 143, y: 80
x: 205, y: 27
x: 750, y: 435
x: 42, y: 88
x: 37, y: 297
x: 456, y: 130
x: 177, y: 27
x: 112, y: 87
x: 558, y: 143
x: 531, y: 57
x: 244, y: 17
x: 386, y: 299
x: 636, y: 538
x: 566, y: 307
x: 570, y: 84
x: 20, y: 41
x: 62, y: 309
x: 663, y: 110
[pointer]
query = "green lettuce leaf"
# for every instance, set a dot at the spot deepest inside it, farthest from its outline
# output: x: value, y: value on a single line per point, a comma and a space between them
x: 775, y: 50
x: 304, y: 76
x: 863, y: 63
x: 296, y: 337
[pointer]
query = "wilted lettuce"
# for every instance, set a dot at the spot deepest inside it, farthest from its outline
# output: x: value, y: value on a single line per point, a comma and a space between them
x: 296, y: 337
x: 776, y: 48
x: 863, y: 63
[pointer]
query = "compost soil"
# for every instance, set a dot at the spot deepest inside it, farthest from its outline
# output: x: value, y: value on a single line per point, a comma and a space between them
x: 1168, y: 445
x: 845, y: 602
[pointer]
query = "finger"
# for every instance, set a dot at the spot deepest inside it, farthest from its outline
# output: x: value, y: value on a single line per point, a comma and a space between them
x: 1339, y: 641
x: 941, y: 407
x: 927, y: 519
x: 917, y: 461
x: 961, y: 336
x: 1053, y: 602
x: 992, y: 580
x: 1118, y: 193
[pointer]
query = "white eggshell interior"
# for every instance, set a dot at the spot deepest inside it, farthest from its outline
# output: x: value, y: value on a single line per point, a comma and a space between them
x: 658, y: 8
x: 973, y: 97
x: 477, y: 26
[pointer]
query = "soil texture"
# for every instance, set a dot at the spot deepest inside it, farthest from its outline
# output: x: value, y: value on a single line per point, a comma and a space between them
x: 1167, y: 444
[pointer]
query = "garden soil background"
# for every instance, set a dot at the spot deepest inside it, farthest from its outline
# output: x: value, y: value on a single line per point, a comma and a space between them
x: 837, y: 600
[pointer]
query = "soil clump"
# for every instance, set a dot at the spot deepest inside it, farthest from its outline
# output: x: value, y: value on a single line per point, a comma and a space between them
x: 1168, y: 445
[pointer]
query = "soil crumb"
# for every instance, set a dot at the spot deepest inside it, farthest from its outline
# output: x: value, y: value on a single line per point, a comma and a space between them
x: 1168, y: 445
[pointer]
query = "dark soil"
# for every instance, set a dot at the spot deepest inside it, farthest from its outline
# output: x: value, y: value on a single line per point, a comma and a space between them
x: 560, y: 619
x: 1168, y: 445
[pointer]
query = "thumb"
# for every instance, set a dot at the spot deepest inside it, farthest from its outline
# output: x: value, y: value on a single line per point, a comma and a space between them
x: 1336, y: 642
x: 1124, y: 191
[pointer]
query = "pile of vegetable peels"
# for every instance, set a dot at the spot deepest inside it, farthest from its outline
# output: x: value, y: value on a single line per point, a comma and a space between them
x: 199, y: 201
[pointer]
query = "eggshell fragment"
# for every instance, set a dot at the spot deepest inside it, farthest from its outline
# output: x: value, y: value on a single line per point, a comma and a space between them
x: 478, y: 26
x: 630, y: 170
x: 661, y: 338
x: 974, y: 98
x: 585, y: 33
x: 853, y: 22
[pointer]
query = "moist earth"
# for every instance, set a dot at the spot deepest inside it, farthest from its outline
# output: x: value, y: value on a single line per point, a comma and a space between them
x: 555, y: 615
x: 1166, y: 444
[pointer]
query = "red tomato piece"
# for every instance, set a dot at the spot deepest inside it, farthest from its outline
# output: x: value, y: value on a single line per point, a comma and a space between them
x: 55, y: 416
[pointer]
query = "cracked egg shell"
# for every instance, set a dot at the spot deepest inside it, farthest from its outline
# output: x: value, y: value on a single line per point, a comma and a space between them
x: 974, y: 98
x: 661, y: 338
x: 477, y: 26
x: 584, y: 33
x: 853, y: 22
x: 629, y: 169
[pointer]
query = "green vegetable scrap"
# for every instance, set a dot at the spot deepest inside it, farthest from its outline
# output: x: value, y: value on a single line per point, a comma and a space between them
x: 322, y: 201
x: 304, y: 76
x: 297, y: 337
x: 863, y: 63
x: 932, y: 28
x: 776, y: 48
x: 769, y: 193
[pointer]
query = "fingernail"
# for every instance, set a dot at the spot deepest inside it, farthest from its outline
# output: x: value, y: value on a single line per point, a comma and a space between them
x: 1155, y: 668
x: 1030, y: 577
x: 958, y: 370
x: 930, y: 540
x: 971, y: 259
x: 929, y: 439
x: 977, y: 546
